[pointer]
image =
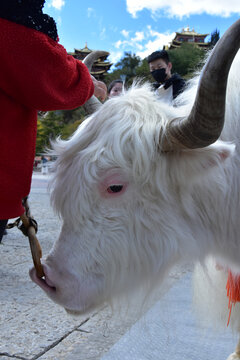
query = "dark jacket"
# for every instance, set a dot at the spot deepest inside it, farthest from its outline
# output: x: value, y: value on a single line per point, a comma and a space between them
x: 177, y: 83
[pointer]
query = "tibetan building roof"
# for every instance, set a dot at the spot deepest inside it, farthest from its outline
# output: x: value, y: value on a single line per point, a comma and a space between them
x: 188, y: 36
x: 85, y: 49
x: 100, y: 66
x: 189, y: 32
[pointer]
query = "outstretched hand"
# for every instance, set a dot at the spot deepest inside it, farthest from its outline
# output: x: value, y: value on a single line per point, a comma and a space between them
x: 100, y: 89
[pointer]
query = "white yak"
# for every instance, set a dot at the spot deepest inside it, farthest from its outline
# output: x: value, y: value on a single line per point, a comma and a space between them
x: 142, y: 186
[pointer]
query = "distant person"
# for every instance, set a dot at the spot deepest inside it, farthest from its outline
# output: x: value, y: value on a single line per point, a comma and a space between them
x: 167, y: 86
x: 36, y: 74
x: 44, y: 165
x: 115, y: 88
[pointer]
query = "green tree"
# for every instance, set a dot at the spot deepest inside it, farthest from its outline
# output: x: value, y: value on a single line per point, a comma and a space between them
x: 187, y: 59
x: 70, y: 128
x: 114, y: 75
x: 142, y: 71
x: 128, y: 65
x: 49, y: 127
x: 70, y: 116
x: 61, y: 123
x: 215, y: 36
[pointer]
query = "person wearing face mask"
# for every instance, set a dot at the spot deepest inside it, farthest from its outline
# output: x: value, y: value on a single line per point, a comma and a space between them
x: 168, y: 86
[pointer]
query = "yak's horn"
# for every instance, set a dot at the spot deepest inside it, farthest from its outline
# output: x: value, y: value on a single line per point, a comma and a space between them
x: 93, y: 103
x: 205, y: 122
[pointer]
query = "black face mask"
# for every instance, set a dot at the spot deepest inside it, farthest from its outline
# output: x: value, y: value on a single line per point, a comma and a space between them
x: 159, y: 75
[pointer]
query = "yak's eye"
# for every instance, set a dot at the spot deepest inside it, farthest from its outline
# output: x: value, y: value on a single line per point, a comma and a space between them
x: 114, y: 189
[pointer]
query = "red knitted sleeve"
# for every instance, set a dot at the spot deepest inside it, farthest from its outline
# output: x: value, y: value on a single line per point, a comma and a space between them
x: 37, y: 71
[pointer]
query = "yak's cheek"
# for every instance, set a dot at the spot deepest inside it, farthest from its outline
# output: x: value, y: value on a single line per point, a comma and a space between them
x: 88, y: 295
x: 113, y: 185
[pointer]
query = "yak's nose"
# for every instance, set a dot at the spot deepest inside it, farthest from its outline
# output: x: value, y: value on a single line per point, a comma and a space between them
x: 45, y: 283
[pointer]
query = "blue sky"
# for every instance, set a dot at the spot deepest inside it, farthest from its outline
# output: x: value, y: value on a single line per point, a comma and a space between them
x: 137, y: 26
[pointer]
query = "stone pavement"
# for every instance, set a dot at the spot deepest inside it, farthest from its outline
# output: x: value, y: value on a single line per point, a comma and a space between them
x: 33, y: 327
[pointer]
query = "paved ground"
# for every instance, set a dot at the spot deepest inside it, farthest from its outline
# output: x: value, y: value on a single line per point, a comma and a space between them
x: 32, y: 327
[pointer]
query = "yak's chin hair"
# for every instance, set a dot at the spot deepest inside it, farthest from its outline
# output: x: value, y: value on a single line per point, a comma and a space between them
x: 136, y: 302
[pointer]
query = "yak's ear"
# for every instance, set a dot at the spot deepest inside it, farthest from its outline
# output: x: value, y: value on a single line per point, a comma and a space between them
x: 192, y: 165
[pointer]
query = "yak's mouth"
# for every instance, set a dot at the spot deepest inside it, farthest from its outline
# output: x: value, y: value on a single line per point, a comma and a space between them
x: 44, y: 282
x: 77, y: 297
x: 74, y: 312
x: 47, y: 286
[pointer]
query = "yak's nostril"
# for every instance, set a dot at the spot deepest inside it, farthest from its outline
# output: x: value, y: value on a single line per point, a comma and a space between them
x: 47, y: 277
x: 49, y: 283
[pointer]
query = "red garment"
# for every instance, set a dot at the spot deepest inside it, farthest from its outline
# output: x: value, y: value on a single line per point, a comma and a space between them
x: 36, y: 74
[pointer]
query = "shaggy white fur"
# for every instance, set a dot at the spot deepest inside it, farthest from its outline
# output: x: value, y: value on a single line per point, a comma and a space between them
x: 172, y: 206
x: 130, y: 212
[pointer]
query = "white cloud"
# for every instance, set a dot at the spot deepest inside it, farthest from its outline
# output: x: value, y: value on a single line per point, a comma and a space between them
x: 102, y: 34
x: 59, y: 21
x: 90, y: 12
x: 180, y: 8
x: 139, y: 36
x: 156, y: 43
x: 125, y: 33
x: 144, y: 42
x: 120, y: 43
x: 115, y: 56
x: 57, y: 4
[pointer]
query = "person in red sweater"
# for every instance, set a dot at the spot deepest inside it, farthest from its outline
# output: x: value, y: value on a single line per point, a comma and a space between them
x: 37, y: 74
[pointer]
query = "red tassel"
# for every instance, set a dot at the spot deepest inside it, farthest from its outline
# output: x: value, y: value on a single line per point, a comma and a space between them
x: 233, y: 291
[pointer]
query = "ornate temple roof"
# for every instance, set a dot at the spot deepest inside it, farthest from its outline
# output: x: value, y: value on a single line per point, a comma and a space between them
x: 100, y: 66
x: 188, y: 36
x: 189, y: 32
x: 85, y: 49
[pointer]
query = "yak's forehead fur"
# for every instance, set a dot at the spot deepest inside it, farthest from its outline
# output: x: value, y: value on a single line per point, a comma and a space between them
x: 123, y: 137
x: 124, y: 124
